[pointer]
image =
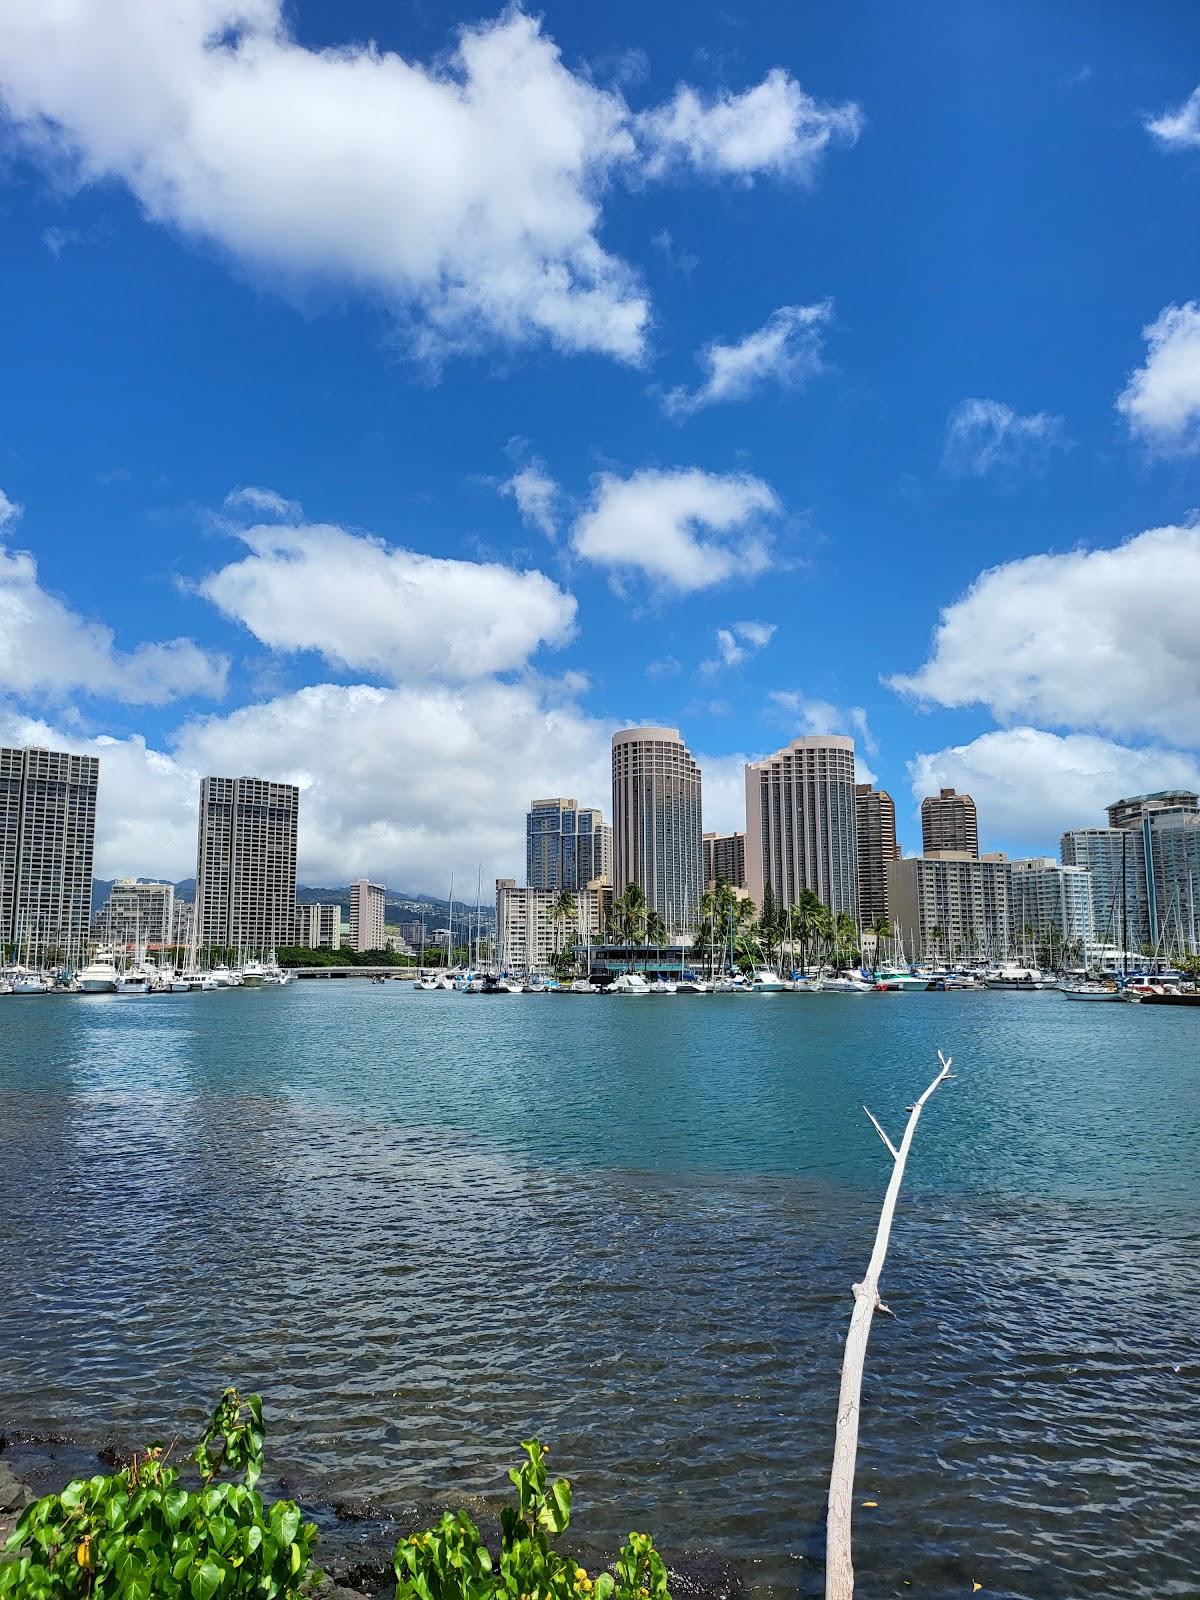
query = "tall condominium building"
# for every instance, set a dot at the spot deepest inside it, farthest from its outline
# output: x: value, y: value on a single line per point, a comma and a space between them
x: 657, y: 829
x: 366, y: 915
x: 183, y: 919
x: 801, y: 828
x: 566, y: 845
x: 246, y: 863
x: 948, y: 822
x: 136, y: 914
x: 317, y: 927
x: 47, y: 842
x: 1163, y: 806
x: 952, y: 905
x: 1145, y: 869
x: 529, y: 935
x: 875, y: 826
x: 1055, y: 902
x: 1115, y: 860
x: 725, y: 859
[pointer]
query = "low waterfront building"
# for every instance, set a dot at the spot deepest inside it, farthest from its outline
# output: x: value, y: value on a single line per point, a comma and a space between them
x: 136, y: 915
x: 1052, y: 906
x: 951, y: 905
x: 367, y: 915
x: 529, y: 934
x: 317, y: 927
x: 725, y: 859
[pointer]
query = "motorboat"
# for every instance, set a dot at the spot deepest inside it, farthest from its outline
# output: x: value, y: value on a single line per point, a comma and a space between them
x: 846, y: 983
x: 730, y: 983
x: 764, y: 981
x: 133, y: 982
x: 1012, y: 976
x: 100, y: 975
x: 664, y: 986
x: 689, y: 984
x: 23, y: 980
x: 428, y: 985
x: 899, y: 980
x: 223, y: 978
x: 252, y: 974
x: 806, y: 983
x: 629, y: 983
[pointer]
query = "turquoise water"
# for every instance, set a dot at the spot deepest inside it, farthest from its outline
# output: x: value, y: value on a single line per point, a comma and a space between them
x: 427, y: 1225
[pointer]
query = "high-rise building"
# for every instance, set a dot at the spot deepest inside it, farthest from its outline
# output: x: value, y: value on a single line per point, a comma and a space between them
x: 1145, y: 870
x: 801, y: 830
x: 317, y: 927
x: 1054, y: 903
x: 725, y: 859
x: 246, y: 863
x: 566, y: 845
x: 47, y: 843
x: 657, y: 828
x: 136, y: 914
x: 1115, y: 860
x: 366, y: 915
x: 952, y: 905
x: 948, y: 822
x: 529, y: 935
x: 1164, y: 806
x: 183, y: 918
x: 875, y: 827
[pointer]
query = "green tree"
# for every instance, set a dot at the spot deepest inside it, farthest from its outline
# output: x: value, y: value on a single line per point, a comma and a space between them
x: 563, y: 908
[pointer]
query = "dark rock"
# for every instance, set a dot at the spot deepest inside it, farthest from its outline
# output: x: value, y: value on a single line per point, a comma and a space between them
x: 360, y: 1511
x: 14, y: 1495
x: 19, y: 1437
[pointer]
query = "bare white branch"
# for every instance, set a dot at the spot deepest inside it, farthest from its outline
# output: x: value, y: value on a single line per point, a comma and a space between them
x: 891, y: 1147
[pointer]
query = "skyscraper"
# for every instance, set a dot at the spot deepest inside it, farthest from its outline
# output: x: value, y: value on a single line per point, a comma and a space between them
x: 566, y: 845
x: 1145, y: 869
x: 366, y: 915
x: 136, y: 913
x: 725, y: 859
x: 47, y: 842
x: 801, y: 830
x: 948, y: 822
x: 657, y: 829
x: 246, y: 863
x: 875, y: 825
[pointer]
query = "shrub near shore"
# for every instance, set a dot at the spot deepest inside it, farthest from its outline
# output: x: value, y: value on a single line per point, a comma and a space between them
x: 140, y: 1534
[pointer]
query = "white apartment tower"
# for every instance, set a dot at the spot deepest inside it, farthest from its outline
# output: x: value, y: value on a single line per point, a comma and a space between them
x: 47, y: 841
x: 800, y: 824
x: 246, y: 863
x: 137, y: 914
x: 657, y: 830
x: 366, y: 915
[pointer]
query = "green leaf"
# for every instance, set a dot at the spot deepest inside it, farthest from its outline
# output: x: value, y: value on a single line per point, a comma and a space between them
x: 206, y: 1580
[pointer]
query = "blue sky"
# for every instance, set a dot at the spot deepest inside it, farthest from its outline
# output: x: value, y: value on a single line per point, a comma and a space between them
x: 722, y: 362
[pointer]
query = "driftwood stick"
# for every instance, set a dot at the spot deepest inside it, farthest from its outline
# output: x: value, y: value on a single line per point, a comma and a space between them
x: 839, y: 1567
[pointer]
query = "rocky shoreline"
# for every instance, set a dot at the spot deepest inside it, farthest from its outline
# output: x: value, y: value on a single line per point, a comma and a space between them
x: 357, y: 1537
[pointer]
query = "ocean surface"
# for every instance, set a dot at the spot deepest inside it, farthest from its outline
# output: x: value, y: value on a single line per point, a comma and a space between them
x: 428, y: 1226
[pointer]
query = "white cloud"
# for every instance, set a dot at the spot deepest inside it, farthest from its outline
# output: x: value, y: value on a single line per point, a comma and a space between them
x: 1179, y: 130
x: 536, y: 494
x: 466, y: 194
x: 737, y: 641
x: 1030, y: 785
x: 263, y: 503
x: 10, y: 510
x: 46, y: 648
x: 1092, y: 638
x: 807, y: 715
x: 984, y: 434
x: 685, y: 529
x: 774, y: 127
x: 785, y: 350
x: 367, y: 605
x: 1161, y: 401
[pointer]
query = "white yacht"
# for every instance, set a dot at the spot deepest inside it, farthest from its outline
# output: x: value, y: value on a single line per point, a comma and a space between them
x: 807, y: 983
x: 664, y: 986
x: 1011, y: 975
x: 22, y: 980
x: 223, y: 978
x: 690, y: 985
x: 252, y: 974
x: 846, y: 983
x: 629, y: 983
x: 100, y: 974
x: 1087, y: 990
x: 133, y: 982
x: 764, y: 981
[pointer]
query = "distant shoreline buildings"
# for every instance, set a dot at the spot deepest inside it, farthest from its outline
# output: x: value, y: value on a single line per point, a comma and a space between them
x: 1129, y: 886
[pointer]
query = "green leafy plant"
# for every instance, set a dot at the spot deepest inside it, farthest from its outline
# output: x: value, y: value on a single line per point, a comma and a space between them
x: 141, y: 1535
x: 451, y: 1562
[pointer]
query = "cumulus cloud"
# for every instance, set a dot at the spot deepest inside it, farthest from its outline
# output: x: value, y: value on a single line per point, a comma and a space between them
x: 684, y: 529
x: 1180, y: 129
x: 737, y: 641
x: 1092, y: 638
x: 536, y: 495
x: 10, y: 511
x: 367, y: 605
x: 263, y: 503
x: 985, y: 434
x: 47, y: 648
x: 806, y: 714
x: 465, y: 194
x: 785, y: 350
x: 1161, y: 401
x: 1030, y: 785
x: 774, y: 127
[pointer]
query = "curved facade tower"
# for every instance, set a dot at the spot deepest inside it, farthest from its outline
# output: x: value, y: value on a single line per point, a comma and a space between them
x: 800, y: 824
x: 657, y: 830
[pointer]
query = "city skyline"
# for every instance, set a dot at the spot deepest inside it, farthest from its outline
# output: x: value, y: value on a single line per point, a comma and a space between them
x: 419, y: 541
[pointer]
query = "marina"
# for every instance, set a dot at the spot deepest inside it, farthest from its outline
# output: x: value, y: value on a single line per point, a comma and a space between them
x: 426, y: 1228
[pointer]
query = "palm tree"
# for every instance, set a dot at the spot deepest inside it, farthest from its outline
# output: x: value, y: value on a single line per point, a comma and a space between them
x: 845, y: 939
x: 656, y: 928
x: 628, y: 919
x: 563, y: 907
